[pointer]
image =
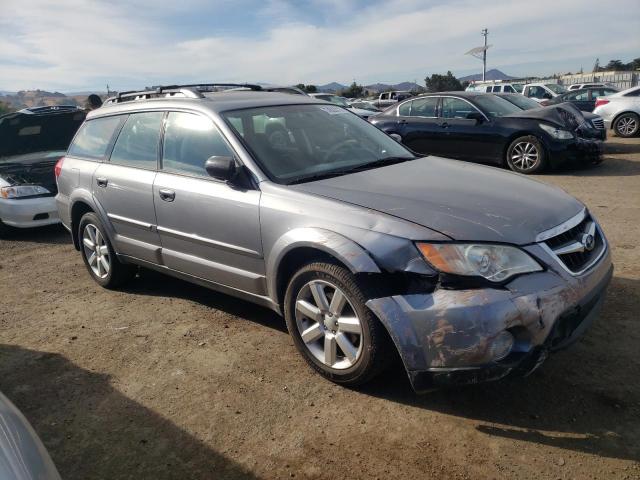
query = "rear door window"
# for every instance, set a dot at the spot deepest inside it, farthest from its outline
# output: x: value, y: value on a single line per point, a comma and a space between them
x: 137, y: 144
x: 456, y: 108
x: 189, y: 140
x: 94, y: 137
x: 424, y: 107
x: 404, y: 109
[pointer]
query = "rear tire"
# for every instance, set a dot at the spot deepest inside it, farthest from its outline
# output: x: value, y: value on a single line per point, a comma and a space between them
x: 98, y: 254
x: 526, y: 155
x: 627, y: 125
x: 343, y: 340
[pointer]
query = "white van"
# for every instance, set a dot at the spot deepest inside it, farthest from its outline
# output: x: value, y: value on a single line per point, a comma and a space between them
x: 493, y: 87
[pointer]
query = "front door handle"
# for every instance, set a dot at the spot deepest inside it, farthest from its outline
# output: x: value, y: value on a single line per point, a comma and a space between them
x: 444, y: 125
x: 167, y: 195
x: 102, y: 182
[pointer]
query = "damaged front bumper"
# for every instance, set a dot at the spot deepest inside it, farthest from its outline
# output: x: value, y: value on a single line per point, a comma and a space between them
x: 585, y: 151
x: 445, y: 337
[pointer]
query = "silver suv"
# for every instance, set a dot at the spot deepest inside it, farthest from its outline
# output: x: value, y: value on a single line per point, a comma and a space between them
x: 467, y: 272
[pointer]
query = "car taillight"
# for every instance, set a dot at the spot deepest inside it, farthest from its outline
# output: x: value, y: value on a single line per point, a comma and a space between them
x: 601, y: 101
x: 58, y: 169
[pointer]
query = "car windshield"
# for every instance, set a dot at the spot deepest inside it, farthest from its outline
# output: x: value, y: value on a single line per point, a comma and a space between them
x: 336, y: 100
x: 494, y: 106
x: 518, y: 87
x: 555, y: 88
x: 521, y: 101
x: 297, y: 143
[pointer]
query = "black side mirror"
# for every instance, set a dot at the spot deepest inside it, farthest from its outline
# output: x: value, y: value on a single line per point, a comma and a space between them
x: 477, y: 116
x: 221, y: 167
x: 548, y: 96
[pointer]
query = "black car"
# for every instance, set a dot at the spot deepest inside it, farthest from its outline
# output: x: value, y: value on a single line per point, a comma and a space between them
x: 484, y: 128
x: 584, y: 99
x: 593, y: 126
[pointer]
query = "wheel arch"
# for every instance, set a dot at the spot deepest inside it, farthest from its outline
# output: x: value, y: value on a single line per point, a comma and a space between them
x: 299, y: 246
x: 78, y: 209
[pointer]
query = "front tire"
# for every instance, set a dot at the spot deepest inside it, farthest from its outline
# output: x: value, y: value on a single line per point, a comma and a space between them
x: 98, y: 254
x: 331, y: 326
x: 526, y: 155
x: 627, y: 125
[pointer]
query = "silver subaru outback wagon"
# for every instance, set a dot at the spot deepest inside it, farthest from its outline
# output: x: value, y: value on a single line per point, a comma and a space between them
x: 467, y: 272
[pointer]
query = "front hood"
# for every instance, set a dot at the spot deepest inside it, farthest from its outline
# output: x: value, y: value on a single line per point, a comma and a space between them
x: 461, y: 200
x: 23, y: 133
x: 31, y: 169
x: 565, y: 115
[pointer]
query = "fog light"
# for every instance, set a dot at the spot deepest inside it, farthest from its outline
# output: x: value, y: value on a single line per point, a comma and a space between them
x: 501, y: 345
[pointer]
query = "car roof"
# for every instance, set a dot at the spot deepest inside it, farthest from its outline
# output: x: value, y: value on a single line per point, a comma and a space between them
x: 210, y: 101
x: 458, y: 93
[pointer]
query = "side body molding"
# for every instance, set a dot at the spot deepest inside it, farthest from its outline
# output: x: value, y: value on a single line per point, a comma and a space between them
x: 347, y: 251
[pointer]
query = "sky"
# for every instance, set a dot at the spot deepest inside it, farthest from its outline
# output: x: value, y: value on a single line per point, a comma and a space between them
x: 77, y: 45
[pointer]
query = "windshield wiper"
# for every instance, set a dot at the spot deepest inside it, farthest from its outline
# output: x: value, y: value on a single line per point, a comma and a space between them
x: 382, y: 162
x: 358, y: 168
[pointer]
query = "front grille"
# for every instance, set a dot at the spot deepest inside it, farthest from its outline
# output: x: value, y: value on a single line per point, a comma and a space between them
x: 598, y: 123
x: 579, y: 247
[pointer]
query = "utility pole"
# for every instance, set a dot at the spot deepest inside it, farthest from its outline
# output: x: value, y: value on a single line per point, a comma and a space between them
x: 485, y: 32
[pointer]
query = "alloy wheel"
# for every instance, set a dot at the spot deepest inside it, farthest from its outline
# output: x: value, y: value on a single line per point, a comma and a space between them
x: 524, y: 155
x: 96, y: 251
x: 328, y: 324
x: 627, y: 125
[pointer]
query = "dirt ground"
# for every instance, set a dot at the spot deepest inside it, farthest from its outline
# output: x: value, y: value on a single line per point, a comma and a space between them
x: 165, y: 380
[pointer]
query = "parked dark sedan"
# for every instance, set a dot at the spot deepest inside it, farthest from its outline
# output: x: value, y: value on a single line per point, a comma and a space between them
x: 593, y: 126
x: 584, y: 99
x: 484, y: 128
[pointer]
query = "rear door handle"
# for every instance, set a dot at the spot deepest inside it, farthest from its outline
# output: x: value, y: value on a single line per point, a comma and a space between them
x: 102, y: 182
x: 167, y: 195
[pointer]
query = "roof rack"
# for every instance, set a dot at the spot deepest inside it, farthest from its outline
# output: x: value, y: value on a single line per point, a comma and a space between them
x: 192, y: 90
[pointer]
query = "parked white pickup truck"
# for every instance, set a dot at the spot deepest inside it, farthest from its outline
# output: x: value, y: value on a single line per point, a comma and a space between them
x: 387, y: 99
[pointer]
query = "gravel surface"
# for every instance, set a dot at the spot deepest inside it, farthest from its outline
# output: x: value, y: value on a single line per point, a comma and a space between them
x: 166, y: 380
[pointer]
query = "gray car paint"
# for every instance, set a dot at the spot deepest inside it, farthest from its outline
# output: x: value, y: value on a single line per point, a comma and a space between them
x: 22, y: 454
x: 241, y: 242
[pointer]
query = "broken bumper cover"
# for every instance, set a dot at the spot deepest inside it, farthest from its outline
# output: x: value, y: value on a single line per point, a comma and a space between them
x: 445, y: 337
x: 581, y: 150
x: 29, y: 212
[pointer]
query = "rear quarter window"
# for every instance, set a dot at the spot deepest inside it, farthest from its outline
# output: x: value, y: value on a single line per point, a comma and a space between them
x: 94, y: 137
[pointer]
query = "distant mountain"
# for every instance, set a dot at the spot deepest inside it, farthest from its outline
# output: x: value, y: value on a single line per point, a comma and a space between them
x: 332, y: 87
x: 493, y: 74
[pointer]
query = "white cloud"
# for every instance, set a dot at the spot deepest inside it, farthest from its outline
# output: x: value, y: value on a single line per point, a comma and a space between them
x: 71, y: 44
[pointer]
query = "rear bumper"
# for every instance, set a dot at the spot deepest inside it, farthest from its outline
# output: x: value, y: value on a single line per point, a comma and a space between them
x: 445, y: 337
x: 29, y: 212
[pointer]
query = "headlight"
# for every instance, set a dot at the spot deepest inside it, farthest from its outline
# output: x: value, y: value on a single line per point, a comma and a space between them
x: 556, y: 132
x: 496, y: 263
x: 18, y: 191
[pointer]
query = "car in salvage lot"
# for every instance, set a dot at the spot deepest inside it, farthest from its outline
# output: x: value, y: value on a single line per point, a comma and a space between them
x: 31, y: 142
x: 468, y: 272
x: 482, y: 127
x: 621, y: 112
